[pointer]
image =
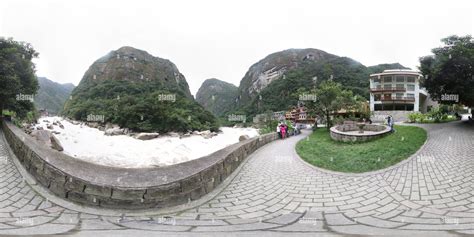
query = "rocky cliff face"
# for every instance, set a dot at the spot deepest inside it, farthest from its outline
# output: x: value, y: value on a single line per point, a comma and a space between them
x: 217, y: 96
x: 128, y: 63
x: 273, y: 67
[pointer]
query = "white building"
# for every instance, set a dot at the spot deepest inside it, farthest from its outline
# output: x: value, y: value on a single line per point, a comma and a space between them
x: 398, y: 93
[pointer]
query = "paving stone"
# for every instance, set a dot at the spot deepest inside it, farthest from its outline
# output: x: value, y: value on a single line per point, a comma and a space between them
x: 285, y: 219
x: 410, y: 199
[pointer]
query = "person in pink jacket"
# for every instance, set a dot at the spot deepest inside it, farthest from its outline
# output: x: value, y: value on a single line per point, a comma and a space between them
x: 283, y: 131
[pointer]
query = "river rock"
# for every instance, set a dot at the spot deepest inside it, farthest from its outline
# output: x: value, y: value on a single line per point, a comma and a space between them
x: 243, y: 138
x: 49, y: 126
x: 185, y: 135
x: 93, y: 124
x: 113, y: 131
x: 55, y: 144
x: 46, y: 138
x: 173, y: 134
x: 147, y: 136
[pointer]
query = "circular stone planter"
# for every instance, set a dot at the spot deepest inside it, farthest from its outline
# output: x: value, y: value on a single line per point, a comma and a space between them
x: 352, y: 133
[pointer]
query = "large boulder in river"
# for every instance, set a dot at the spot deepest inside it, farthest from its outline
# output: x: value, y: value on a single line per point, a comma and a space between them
x: 46, y: 138
x: 147, y: 136
x: 55, y: 144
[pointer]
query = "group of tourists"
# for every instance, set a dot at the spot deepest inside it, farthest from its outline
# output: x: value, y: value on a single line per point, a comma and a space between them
x: 282, y: 130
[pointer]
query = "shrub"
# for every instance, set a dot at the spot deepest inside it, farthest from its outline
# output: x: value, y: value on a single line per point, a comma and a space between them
x: 416, y: 117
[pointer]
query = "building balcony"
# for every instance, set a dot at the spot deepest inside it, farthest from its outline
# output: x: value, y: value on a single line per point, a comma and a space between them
x: 391, y: 89
x: 398, y: 99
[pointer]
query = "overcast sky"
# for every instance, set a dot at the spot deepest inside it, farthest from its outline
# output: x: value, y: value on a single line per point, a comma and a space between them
x: 222, y: 39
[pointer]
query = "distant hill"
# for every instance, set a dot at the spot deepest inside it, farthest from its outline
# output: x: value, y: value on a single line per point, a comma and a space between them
x: 139, y: 91
x: 386, y: 66
x: 217, y: 96
x: 52, y: 95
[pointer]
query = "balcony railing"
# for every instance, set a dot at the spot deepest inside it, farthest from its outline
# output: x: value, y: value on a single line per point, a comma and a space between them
x: 395, y: 98
x: 391, y: 89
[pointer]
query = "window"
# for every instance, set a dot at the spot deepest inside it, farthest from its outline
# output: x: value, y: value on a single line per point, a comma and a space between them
x: 410, y: 79
x: 387, y: 86
x: 376, y: 80
x: 388, y: 107
x: 400, y: 78
x: 410, y: 87
x: 379, y: 86
x: 400, y: 86
x: 409, y: 95
x: 387, y: 79
x: 377, y: 97
x: 399, y: 95
x: 399, y: 107
x: 378, y: 107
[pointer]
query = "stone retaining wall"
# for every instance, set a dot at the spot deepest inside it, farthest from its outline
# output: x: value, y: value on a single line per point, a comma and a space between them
x: 91, y: 184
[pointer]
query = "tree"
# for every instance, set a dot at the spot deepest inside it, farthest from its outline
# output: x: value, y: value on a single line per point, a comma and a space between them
x: 330, y: 98
x: 18, y: 82
x: 450, y: 70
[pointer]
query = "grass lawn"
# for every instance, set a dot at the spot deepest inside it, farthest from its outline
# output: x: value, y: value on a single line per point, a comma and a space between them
x: 320, y: 150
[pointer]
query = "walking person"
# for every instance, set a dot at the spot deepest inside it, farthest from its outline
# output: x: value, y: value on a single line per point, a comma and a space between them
x: 390, y: 123
x: 283, y: 131
x: 279, y: 130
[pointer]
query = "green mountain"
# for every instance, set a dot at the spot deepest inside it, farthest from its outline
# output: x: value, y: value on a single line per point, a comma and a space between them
x: 217, y: 96
x: 136, y: 90
x: 52, y: 95
x: 275, y: 66
x: 272, y: 84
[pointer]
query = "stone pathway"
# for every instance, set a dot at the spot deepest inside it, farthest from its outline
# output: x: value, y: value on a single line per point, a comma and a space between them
x: 275, y: 192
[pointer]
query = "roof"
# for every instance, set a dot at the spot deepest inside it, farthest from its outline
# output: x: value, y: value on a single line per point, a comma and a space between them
x: 397, y: 72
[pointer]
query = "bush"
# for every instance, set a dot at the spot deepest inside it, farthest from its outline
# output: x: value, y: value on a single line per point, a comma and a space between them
x: 269, y: 127
x: 437, y: 115
x: 416, y: 117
